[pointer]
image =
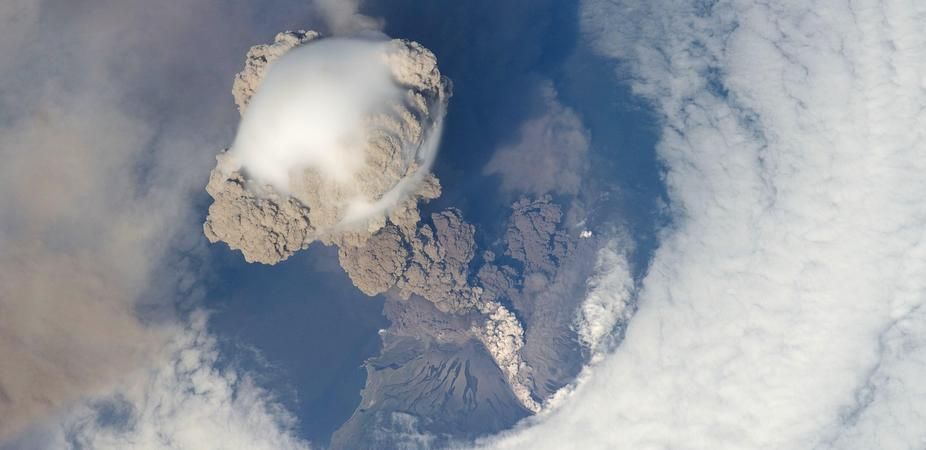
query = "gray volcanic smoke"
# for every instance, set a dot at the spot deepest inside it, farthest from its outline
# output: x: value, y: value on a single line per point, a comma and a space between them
x: 340, y: 135
x: 335, y: 145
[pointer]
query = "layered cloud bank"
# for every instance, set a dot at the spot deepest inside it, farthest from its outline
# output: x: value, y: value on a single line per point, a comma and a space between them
x: 108, y: 112
x: 182, y: 401
x: 782, y: 309
x: 305, y: 156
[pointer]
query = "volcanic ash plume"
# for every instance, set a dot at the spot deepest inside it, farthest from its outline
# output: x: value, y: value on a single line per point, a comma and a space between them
x: 335, y: 145
x: 337, y: 136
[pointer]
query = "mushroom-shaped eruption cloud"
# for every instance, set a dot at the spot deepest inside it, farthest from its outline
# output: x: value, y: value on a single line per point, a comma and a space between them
x: 337, y: 136
x: 335, y: 145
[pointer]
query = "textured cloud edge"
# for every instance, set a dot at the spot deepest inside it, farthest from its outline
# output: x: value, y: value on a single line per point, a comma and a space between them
x: 784, y: 307
x: 184, y: 400
x: 81, y: 232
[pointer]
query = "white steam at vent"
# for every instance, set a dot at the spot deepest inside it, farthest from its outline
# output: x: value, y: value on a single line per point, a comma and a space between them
x: 337, y: 136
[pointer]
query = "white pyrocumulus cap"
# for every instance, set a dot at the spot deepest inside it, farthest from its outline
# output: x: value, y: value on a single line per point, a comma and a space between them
x: 337, y: 136
x: 310, y: 110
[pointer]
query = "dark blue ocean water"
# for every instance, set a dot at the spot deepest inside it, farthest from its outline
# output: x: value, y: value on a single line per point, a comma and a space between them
x: 301, y: 328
